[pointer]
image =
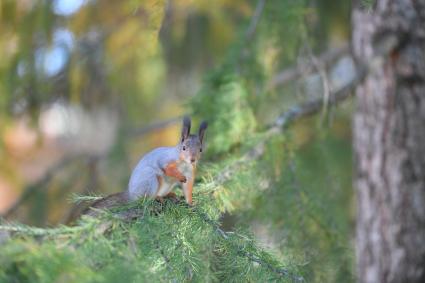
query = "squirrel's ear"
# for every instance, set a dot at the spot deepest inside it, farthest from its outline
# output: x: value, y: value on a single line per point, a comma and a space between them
x: 202, y: 128
x: 185, y: 128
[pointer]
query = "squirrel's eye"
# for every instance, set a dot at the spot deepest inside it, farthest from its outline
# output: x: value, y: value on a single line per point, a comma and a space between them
x: 184, y: 148
x: 200, y: 150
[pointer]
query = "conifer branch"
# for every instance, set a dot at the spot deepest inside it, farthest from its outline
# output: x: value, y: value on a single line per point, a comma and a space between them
x: 35, y: 231
x: 280, y: 271
x: 288, y: 117
x: 240, y: 251
x: 77, y: 198
x: 161, y: 252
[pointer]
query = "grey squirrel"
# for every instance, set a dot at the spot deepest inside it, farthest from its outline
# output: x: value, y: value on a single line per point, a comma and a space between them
x: 157, y: 172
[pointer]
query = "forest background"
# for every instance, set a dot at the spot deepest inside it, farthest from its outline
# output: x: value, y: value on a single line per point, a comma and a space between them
x: 87, y: 87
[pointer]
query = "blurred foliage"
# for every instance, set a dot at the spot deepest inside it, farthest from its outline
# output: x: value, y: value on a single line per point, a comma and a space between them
x: 149, y: 60
x: 308, y: 206
x: 95, y: 44
x: 223, y: 101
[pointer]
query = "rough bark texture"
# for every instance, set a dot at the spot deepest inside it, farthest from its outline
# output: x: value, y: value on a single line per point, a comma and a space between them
x: 389, y: 143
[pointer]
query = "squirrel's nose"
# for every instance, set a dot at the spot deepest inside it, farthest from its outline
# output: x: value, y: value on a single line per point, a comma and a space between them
x: 192, y: 160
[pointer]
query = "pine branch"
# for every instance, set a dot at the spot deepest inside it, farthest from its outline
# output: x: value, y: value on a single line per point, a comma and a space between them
x: 21, y: 229
x: 281, y: 271
x: 225, y: 235
x: 104, y: 223
x: 162, y: 253
x: 284, y: 120
x: 77, y: 198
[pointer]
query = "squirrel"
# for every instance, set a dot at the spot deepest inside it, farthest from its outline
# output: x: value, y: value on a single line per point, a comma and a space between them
x: 157, y: 172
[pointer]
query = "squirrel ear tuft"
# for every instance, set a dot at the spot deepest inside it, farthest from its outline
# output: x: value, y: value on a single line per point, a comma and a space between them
x: 185, y: 128
x: 202, y: 128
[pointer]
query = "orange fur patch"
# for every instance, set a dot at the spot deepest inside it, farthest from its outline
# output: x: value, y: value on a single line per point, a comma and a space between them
x: 172, y: 171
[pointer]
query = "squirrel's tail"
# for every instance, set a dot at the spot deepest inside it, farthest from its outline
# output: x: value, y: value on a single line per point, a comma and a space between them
x: 107, y: 202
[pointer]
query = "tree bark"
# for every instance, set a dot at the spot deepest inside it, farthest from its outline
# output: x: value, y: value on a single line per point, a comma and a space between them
x: 389, y: 142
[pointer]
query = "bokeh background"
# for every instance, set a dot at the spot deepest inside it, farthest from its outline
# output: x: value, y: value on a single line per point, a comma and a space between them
x: 87, y: 87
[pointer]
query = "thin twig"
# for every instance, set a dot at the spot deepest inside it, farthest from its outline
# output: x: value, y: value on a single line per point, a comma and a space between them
x: 321, y: 70
x: 36, y: 231
x: 249, y: 35
x: 255, y: 20
x: 292, y: 73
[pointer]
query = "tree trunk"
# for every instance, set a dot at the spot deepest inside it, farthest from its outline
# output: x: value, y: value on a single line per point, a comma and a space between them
x: 389, y: 143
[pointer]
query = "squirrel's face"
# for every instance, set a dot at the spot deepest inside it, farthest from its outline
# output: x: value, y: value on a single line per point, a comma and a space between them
x: 191, y: 146
x: 191, y: 149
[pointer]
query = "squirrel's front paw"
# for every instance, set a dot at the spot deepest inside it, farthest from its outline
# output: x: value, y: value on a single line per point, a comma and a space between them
x: 183, y: 179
